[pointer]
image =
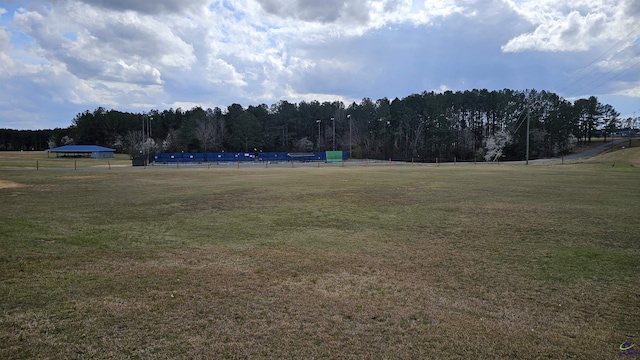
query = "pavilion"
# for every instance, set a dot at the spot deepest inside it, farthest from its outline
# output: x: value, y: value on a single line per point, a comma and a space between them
x: 76, y: 151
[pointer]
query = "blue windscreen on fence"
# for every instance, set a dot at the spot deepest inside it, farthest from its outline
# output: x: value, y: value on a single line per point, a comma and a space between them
x: 243, y: 156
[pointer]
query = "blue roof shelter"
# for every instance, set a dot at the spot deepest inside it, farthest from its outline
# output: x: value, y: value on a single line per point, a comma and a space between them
x: 75, y: 151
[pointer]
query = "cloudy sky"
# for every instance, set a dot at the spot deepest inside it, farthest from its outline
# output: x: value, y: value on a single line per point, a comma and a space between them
x: 61, y: 57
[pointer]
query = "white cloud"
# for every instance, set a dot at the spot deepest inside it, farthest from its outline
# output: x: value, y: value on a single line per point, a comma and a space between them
x: 104, y: 41
x: 234, y: 43
x: 571, y: 25
x: 5, y: 40
x: 327, y: 11
x: 443, y: 8
x: 186, y: 105
x: 442, y: 88
x: 361, y: 14
x: 633, y: 91
x: 15, y: 118
x: 292, y: 95
x: 115, y: 94
x: 574, y: 32
x: 221, y: 72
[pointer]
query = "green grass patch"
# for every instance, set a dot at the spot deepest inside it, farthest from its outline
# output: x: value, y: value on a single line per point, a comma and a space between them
x: 578, y: 263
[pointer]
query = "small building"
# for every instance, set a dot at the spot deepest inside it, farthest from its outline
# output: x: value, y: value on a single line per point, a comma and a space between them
x: 77, y: 151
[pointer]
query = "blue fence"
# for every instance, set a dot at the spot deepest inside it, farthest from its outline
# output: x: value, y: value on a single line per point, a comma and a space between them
x: 242, y: 157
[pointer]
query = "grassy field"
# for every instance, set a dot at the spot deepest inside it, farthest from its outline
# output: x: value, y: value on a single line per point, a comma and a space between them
x: 42, y: 160
x: 408, y: 262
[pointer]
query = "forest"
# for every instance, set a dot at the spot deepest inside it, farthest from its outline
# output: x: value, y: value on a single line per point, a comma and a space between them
x: 463, y: 125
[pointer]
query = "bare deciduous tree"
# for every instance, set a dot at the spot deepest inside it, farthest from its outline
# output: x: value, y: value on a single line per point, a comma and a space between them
x: 205, y: 132
x: 304, y: 144
x: 170, y: 144
x: 131, y: 143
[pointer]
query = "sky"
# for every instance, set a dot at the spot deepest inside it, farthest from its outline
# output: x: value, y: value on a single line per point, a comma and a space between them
x: 59, y: 58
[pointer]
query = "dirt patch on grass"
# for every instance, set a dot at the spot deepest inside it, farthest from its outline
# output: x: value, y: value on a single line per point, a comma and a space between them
x: 4, y: 184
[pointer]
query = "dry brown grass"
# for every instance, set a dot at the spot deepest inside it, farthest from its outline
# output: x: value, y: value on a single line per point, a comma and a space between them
x: 413, y: 262
x: 9, y: 184
x: 281, y: 303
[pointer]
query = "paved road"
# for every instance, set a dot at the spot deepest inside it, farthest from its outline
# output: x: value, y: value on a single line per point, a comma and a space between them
x: 595, y: 151
x: 585, y: 154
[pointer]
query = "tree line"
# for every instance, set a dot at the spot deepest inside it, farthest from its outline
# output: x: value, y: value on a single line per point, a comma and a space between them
x: 462, y: 125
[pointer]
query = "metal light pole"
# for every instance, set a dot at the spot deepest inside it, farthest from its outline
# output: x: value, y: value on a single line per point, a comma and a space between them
x: 318, y: 121
x: 334, y: 133
x: 528, y: 139
x: 349, y: 117
x: 143, y: 133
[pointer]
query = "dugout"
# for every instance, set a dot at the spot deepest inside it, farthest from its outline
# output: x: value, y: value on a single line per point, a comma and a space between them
x: 307, y: 156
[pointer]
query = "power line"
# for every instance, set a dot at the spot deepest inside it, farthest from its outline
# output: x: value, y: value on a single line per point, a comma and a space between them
x: 617, y: 68
x: 603, y: 55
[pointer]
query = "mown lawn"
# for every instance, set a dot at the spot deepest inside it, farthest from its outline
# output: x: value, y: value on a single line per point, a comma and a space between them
x: 486, y: 261
x: 41, y: 160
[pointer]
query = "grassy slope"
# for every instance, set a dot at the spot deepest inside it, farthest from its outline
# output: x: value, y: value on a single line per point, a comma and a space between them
x: 491, y: 261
